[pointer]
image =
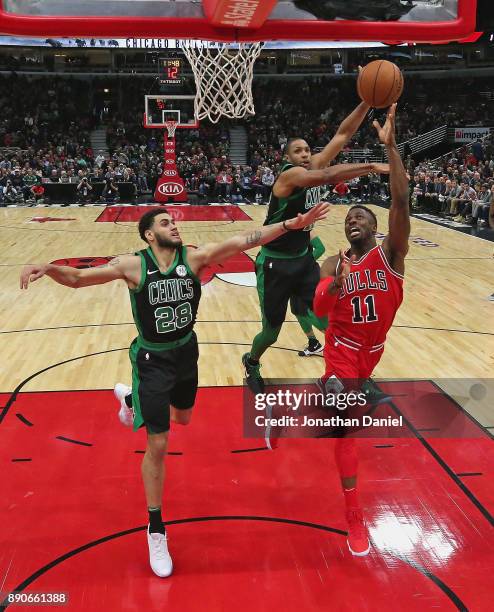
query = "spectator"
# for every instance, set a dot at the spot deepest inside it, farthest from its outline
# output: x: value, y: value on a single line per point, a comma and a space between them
x: 236, y: 191
x: 453, y: 195
x: 439, y: 190
x: 480, y: 205
x: 224, y: 182
x: 100, y: 159
x: 429, y: 193
x: 267, y: 181
x: 110, y: 194
x: 10, y: 194
x: 246, y: 183
x: 30, y: 179
x: 459, y: 205
x: 342, y: 192
x: 478, y: 150
x: 38, y: 192
x: 84, y: 190
x: 258, y: 186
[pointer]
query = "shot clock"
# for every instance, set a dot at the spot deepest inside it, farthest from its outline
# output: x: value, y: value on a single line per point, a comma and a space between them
x: 170, y: 71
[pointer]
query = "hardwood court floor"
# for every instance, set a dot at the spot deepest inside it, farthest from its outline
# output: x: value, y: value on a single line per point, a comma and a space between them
x: 251, y: 531
x: 444, y: 329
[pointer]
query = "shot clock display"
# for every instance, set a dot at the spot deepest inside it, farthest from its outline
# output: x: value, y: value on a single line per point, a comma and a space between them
x: 170, y: 71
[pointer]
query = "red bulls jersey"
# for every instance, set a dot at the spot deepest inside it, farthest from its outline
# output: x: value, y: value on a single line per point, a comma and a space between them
x: 367, y: 303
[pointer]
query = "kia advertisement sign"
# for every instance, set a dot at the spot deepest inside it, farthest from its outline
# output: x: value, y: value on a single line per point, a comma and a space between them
x: 170, y: 186
x: 170, y: 189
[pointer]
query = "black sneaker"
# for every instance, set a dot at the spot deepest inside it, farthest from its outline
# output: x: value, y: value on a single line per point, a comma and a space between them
x: 373, y: 395
x: 316, y: 349
x: 253, y: 375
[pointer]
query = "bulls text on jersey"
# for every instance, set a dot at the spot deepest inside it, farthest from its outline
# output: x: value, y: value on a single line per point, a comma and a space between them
x: 364, y: 279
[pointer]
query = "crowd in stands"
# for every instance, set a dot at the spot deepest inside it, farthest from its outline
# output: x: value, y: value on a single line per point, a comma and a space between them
x: 459, y: 185
x: 45, y: 127
x: 314, y: 108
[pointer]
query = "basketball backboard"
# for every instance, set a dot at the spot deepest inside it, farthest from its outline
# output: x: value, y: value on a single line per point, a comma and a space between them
x: 161, y: 108
x: 237, y: 20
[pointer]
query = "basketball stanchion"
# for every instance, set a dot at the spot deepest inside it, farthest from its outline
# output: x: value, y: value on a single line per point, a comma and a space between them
x: 170, y: 186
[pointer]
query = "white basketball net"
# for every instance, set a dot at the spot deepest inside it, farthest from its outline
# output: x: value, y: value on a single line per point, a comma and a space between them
x: 223, y: 76
x: 171, y: 126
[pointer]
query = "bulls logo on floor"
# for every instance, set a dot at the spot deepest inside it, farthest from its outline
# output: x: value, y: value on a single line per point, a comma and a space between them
x: 237, y: 270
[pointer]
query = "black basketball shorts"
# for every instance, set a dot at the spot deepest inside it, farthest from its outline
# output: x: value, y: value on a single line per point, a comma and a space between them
x: 161, y: 379
x: 278, y: 280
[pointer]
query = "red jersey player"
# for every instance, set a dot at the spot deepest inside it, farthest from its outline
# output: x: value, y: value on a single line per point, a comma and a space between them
x: 361, y: 290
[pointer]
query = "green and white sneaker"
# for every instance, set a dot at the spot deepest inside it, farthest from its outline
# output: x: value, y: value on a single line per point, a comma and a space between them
x: 253, y: 376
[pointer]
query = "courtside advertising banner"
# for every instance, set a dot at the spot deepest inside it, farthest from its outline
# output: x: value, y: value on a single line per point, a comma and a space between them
x: 469, y: 134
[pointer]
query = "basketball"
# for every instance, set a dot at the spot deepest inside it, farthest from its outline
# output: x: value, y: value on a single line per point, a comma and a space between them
x: 380, y: 84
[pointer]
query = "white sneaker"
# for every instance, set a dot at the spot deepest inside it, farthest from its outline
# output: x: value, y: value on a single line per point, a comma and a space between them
x: 159, y: 557
x: 125, y: 413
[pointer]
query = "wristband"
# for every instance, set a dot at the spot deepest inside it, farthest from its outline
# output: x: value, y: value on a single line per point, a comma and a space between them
x: 287, y: 229
x: 324, y: 302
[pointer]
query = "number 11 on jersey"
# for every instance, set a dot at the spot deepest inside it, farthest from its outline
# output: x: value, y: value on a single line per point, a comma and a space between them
x: 370, y: 311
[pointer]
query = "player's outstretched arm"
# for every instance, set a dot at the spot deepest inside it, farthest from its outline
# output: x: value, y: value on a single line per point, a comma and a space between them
x: 300, y: 177
x: 491, y: 213
x: 126, y: 267
x: 347, y: 129
x: 395, y: 245
x: 218, y: 252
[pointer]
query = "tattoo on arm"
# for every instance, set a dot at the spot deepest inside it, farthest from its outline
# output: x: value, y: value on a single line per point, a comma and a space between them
x: 113, y: 262
x: 253, y: 239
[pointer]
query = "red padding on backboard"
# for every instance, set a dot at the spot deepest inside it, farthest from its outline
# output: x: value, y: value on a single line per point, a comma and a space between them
x: 238, y: 13
x: 111, y: 27
x: 384, y: 31
x: 272, y: 29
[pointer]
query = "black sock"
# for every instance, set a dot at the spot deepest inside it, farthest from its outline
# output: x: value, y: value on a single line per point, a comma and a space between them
x: 155, y: 521
x: 313, y: 343
x: 128, y: 400
x: 252, y: 362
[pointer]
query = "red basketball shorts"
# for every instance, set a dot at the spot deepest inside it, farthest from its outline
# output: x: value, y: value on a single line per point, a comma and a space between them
x: 350, y: 363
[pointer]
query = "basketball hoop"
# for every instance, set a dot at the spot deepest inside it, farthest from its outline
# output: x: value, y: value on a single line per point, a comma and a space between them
x: 223, y: 76
x: 171, y: 126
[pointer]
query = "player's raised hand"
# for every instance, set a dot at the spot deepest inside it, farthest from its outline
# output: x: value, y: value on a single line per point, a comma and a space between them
x: 31, y: 273
x: 386, y: 133
x: 343, y: 269
x: 316, y: 213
